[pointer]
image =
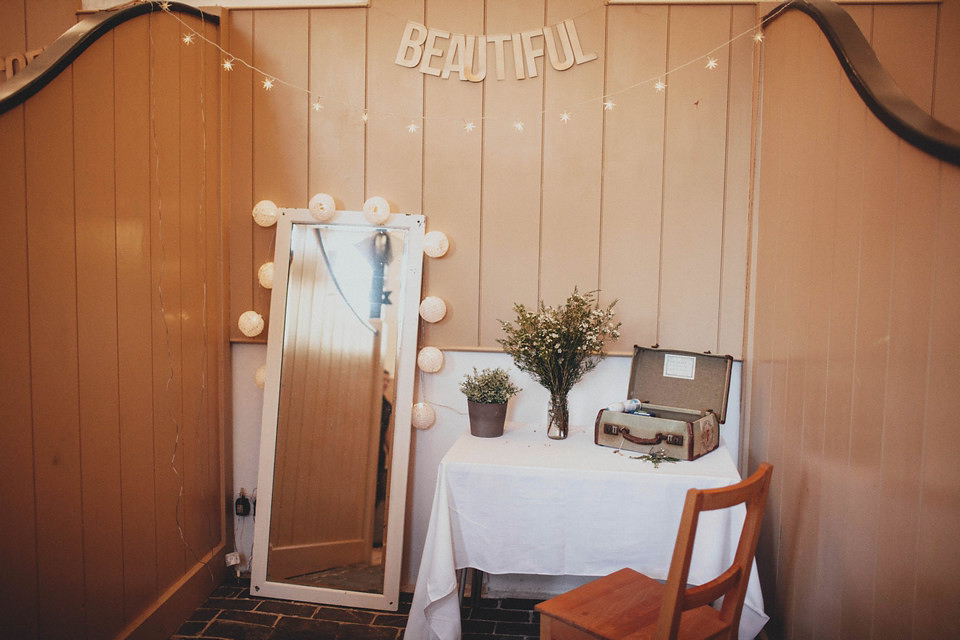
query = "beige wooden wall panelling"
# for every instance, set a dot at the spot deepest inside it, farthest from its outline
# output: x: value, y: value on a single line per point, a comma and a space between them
x: 53, y: 354
x: 946, y: 98
x: 201, y: 257
x: 114, y: 337
x: 394, y: 156
x: 165, y: 229
x: 905, y: 38
x: 851, y: 279
x: 737, y: 171
x: 691, y: 240
x: 850, y: 115
x: 572, y: 163
x: 133, y: 171
x: 648, y: 202
x: 94, y: 195
x: 939, y: 516
x: 452, y: 179
x: 245, y: 292
x: 28, y: 26
x: 633, y: 167
x: 338, y: 56
x: 819, y: 198
x: 279, y: 131
x: 17, y: 490
x: 511, y: 177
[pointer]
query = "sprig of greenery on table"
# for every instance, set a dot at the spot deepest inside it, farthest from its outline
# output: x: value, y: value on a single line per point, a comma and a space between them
x: 655, y: 458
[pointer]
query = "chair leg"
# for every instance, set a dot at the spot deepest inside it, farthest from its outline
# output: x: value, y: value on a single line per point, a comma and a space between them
x: 553, y: 629
x: 546, y: 628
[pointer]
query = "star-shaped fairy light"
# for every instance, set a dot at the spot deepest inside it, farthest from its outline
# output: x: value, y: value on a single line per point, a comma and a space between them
x: 518, y: 125
x: 711, y: 63
x: 412, y: 127
x: 228, y: 64
x: 165, y: 6
x: 608, y: 104
x: 469, y: 126
x: 188, y: 38
x: 317, y: 106
x: 660, y: 86
x: 268, y: 84
x: 564, y: 117
x: 758, y: 36
x: 364, y: 116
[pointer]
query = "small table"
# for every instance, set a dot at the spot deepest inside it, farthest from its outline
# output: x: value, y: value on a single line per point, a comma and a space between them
x: 522, y: 503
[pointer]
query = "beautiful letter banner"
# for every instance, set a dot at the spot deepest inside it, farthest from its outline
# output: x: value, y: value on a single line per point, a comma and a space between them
x: 441, y: 53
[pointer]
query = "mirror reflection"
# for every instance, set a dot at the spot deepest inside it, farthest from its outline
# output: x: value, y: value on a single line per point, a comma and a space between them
x: 335, y: 415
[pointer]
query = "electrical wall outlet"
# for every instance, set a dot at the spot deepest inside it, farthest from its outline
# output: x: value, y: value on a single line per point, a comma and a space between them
x: 233, y: 559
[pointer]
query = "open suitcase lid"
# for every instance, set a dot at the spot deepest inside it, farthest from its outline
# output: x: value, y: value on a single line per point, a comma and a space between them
x: 683, y: 379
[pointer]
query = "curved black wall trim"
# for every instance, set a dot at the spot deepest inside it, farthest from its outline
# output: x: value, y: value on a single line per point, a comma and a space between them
x: 65, y: 49
x: 877, y: 89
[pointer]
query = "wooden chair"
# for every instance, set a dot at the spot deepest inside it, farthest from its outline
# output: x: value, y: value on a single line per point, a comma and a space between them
x: 628, y: 604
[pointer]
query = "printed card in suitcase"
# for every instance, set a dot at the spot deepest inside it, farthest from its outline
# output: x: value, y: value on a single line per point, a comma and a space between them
x: 677, y: 401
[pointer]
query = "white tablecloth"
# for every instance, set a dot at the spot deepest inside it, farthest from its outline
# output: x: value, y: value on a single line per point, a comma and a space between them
x: 522, y: 503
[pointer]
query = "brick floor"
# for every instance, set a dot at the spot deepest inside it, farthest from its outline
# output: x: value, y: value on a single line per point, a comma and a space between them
x: 231, y: 613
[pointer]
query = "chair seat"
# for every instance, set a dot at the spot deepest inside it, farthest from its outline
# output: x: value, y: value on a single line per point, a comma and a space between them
x: 623, y: 605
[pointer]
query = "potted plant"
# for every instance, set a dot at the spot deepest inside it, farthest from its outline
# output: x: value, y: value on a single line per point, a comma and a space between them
x: 487, y: 393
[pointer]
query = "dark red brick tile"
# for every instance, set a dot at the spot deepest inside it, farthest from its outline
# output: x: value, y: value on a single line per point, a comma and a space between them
x: 284, y: 608
x: 343, y: 614
x: 303, y: 629
x: 243, y: 604
x: 364, y: 632
x: 250, y: 617
x: 237, y: 630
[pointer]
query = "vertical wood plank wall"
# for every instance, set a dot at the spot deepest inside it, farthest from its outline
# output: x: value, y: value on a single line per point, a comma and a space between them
x: 113, y: 344
x: 647, y: 201
x: 852, y: 358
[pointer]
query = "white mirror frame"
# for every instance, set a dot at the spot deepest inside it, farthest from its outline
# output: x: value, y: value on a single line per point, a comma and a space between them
x: 406, y: 373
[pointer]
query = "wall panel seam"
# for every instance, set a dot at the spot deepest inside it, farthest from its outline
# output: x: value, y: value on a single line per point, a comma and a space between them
x: 663, y: 178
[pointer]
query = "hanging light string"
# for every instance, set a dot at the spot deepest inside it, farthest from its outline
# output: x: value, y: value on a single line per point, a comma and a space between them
x: 269, y: 81
x: 160, y: 292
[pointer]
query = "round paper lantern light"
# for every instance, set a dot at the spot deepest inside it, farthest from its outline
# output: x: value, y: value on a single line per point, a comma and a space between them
x: 265, y: 213
x: 430, y: 359
x: 250, y: 323
x: 265, y: 275
x: 435, y: 244
x: 322, y: 207
x: 376, y: 210
x: 423, y: 416
x: 432, y: 309
x: 260, y: 376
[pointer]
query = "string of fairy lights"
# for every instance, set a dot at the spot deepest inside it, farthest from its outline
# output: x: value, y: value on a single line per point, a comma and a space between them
x: 268, y: 81
x: 431, y: 359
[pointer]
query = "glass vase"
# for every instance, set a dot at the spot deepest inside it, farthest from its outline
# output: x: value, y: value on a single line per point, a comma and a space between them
x: 558, y: 417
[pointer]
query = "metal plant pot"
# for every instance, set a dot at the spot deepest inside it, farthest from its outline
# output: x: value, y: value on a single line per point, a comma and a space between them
x: 486, y: 420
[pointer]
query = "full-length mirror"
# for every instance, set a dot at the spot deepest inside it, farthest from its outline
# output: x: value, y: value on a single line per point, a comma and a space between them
x: 336, y: 420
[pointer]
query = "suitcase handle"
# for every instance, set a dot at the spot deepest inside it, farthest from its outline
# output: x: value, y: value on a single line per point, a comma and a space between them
x: 669, y: 438
x: 657, y: 439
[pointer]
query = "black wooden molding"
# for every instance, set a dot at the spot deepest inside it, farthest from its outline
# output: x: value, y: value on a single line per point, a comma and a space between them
x: 65, y: 49
x: 877, y: 89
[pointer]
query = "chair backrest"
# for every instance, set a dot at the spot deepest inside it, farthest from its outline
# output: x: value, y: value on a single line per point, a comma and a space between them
x: 732, y: 583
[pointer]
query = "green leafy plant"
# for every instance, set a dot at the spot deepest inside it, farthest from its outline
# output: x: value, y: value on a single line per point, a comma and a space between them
x: 490, y: 386
x: 556, y: 346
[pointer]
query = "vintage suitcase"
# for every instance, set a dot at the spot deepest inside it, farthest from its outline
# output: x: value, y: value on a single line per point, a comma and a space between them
x: 682, y: 402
